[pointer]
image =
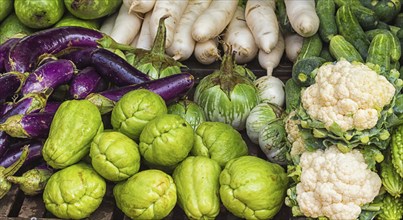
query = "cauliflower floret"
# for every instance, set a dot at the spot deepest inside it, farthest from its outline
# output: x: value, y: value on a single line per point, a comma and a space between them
x: 335, y: 184
x: 293, y: 135
x: 351, y: 95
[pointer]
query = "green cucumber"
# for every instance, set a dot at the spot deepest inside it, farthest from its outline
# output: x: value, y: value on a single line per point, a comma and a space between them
x: 303, y: 71
x: 398, y: 21
x: 379, y: 53
x: 92, y: 9
x: 292, y: 95
x: 311, y: 47
x: 326, y: 9
x: 12, y: 26
x: 6, y: 7
x: 386, y: 10
x: 365, y: 16
x: 395, y: 47
x: 39, y: 14
x: 340, y: 48
x: 325, y: 53
x: 351, y: 30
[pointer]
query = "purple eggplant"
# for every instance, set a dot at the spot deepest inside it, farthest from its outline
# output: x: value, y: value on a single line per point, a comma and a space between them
x: 81, y: 57
x: 170, y: 88
x: 85, y: 82
x: 11, y: 83
x: 30, y: 103
x: 51, y: 107
x: 23, y: 57
x: 33, y: 125
x: 4, y: 142
x: 116, y: 69
x: 33, y: 181
x: 4, y: 49
x: 5, y: 107
x: 50, y: 75
x: 14, y: 152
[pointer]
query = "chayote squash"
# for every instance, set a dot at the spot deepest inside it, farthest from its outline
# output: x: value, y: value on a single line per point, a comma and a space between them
x: 134, y: 110
x: 75, y: 124
x: 218, y: 141
x: 149, y: 194
x: 74, y: 192
x: 166, y: 140
x: 253, y: 188
x: 114, y: 156
x: 196, y: 179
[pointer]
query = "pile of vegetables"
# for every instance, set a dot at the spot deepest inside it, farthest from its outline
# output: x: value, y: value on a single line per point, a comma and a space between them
x: 98, y: 94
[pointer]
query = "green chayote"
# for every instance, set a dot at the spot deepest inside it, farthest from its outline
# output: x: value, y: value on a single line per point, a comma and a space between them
x: 166, y: 140
x: 219, y: 141
x: 253, y: 188
x: 149, y: 194
x: 188, y: 110
x: 74, y: 192
x: 114, y: 155
x: 75, y: 124
x: 197, y: 185
x: 134, y: 110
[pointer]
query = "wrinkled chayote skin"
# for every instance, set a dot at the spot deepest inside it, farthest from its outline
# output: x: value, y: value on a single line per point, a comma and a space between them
x: 134, y: 110
x: 75, y: 124
x: 188, y: 110
x: 253, y: 188
x: 149, y: 194
x: 166, y: 140
x: 197, y: 184
x: 218, y: 141
x: 74, y: 192
x: 114, y: 155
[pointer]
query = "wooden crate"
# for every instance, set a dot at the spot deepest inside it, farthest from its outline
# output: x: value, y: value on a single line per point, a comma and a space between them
x: 16, y: 206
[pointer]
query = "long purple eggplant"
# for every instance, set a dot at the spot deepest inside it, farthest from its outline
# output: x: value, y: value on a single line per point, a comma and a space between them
x: 116, y: 69
x: 30, y: 103
x: 81, y: 57
x: 33, y: 125
x: 5, y: 107
x: 15, y: 151
x: 170, y: 88
x: 85, y: 82
x: 23, y: 57
x: 4, y: 49
x: 5, y: 141
x: 51, y: 107
x: 11, y: 83
x: 50, y: 75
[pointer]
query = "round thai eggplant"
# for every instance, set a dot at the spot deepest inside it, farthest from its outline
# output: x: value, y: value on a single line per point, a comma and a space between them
x: 87, y: 81
x: 49, y: 75
x: 33, y: 125
x: 188, y: 110
x: 11, y: 83
x: 15, y: 150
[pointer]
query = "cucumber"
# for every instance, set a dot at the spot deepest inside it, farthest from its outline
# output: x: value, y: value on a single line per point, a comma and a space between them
x: 303, y: 71
x: 326, y: 9
x: 366, y: 17
x: 340, y: 3
x: 379, y: 53
x: 292, y: 95
x: 386, y: 10
x: 6, y: 7
x: 325, y: 53
x: 70, y: 20
x: 311, y: 47
x: 351, y: 30
x: 92, y: 9
x: 395, y: 47
x: 340, y: 48
x: 398, y: 21
x: 283, y: 21
x: 39, y: 14
x: 12, y: 26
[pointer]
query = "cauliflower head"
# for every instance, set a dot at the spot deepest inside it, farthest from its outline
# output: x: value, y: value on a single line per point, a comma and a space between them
x: 348, y: 94
x: 335, y: 184
x: 293, y: 135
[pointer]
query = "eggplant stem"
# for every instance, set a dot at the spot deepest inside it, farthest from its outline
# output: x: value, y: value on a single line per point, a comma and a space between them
x: 159, y: 40
x: 11, y: 170
x: 16, y: 179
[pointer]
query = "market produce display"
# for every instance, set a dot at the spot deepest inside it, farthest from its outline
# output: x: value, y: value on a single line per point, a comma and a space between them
x: 100, y: 103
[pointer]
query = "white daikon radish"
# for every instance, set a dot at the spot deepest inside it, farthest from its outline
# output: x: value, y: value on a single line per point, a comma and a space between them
x: 262, y: 21
x: 207, y: 52
x: 135, y: 41
x: 172, y: 8
x: 214, y: 20
x: 183, y: 44
x: 145, y: 41
x: 240, y: 37
x: 127, y: 25
x: 269, y: 61
x: 302, y: 16
x: 108, y: 24
x: 140, y: 6
x: 293, y: 45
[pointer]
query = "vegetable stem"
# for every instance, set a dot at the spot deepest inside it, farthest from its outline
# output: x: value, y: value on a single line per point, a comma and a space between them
x: 159, y: 41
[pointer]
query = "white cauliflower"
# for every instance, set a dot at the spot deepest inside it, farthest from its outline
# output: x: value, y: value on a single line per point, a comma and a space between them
x: 349, y: 94
x: 293, y: 135
x: 335, y: 184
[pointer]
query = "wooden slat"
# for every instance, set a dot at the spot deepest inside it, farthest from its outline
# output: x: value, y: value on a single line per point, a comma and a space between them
x: 32, y: 206
x: 7, y: 202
